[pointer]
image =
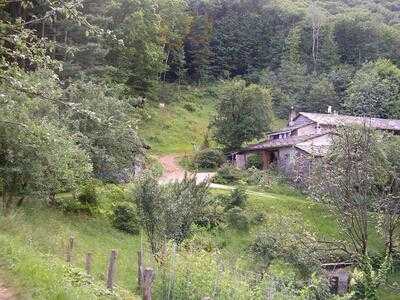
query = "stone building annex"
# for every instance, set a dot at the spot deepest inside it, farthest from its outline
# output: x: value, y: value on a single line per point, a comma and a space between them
x: 307, y: 135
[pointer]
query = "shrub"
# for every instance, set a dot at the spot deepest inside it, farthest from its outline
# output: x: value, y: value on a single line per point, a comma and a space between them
x: 287, y: 239
x: 254, y: 161
x: 108, y: 197
x: 211, y: 216
x: 188, y: 276
x: 227, y: 174
x: 190, y: 107
x: 72, y: 205
x: 259, y: 178
x: 209, y: 159
x: 167, y: 212
x: 238, y: 219
x: 125, y: 218
x: 87, y: 193
x: 238, y: 197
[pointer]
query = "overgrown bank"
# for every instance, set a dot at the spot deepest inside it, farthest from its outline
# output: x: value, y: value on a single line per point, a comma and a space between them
x: 34, y: 238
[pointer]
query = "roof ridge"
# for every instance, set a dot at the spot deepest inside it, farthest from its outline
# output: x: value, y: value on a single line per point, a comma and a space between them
x: 347, y: 116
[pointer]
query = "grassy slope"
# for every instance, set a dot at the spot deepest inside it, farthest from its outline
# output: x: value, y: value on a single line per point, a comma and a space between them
x: 32, y: 247
x: 174, y: 128
x: 35, y: 239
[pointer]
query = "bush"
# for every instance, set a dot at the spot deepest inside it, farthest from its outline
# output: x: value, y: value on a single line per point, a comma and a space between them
x: 125, y: 218
x: 209, y: 159
x: 190, y: 107
x: 238, y: 197
x: 211, y: 216
x: 109, y: 196
x: 238, y: 219
x: 87, y: 193
x: 290, y: 240
x: 227, y: 174
x: 254, y: 161
x: 188, y: 276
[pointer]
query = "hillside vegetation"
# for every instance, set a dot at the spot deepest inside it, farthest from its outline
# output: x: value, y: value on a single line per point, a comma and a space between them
x: 33, y: 243
x: 90, y: 91
x: 181, y: 124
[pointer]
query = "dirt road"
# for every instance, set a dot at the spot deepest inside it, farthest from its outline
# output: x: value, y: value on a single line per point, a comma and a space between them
x: 6, y: 293
x: 174, y: 172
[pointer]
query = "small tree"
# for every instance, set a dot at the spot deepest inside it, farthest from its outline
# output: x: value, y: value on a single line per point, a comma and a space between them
x: 243, y: 114
x: 167, y: 212
x: 348, y: 180
x: 38, y: 160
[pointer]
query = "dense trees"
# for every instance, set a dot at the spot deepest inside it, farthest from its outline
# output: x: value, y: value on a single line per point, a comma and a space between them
x: 375, y: 91
x: 243, y: 114
x: 83, y: 69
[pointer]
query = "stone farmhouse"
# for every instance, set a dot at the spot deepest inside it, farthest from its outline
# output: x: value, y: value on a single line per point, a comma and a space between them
x: 306, y: 136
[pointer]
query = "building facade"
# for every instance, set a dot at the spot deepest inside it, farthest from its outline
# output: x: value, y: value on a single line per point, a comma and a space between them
x: 307, y: 135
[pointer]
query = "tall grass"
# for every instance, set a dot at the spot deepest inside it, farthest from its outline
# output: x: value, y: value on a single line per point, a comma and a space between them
x: 32, y: 246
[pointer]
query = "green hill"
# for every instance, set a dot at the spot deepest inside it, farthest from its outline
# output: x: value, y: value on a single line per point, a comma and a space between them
x: 180, y: 125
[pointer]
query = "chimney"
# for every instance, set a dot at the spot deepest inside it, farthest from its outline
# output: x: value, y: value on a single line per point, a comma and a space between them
x: 292, y: 115
x: 329, y: 109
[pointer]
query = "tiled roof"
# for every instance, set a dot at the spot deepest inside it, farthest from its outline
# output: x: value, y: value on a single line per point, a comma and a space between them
x: 336, y: 120
x: 320, y: 150
x: 279, y: 143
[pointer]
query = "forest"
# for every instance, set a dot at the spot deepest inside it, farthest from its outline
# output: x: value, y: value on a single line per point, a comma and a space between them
x: 93, y: 93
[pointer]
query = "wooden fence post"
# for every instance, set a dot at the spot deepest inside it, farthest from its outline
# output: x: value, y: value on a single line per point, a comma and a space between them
x: 148, y: 276
x: 88, y: 263
x: 140, y: 270
x: 111, y: 270
x: 70, y: 248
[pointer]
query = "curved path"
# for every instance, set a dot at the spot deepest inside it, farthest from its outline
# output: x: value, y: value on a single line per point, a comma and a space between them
x: 6, y: 293
x: 174, y: 172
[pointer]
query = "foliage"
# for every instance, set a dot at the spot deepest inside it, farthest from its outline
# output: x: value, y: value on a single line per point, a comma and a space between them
x: 287, y: 238
x: 375, y: 91
x: 186, y: 276
x: 211, y: 215
x: 227, y: 174
x: 366, y: 280
x: 167, y: 213
x: 238, y: 197
x: 105, y: 130
x: 208, y: 159
x: 36, y: 158
x: 357, y: 176
x: 41, y: 231
x: 254, y: 161
x: 87, y: 193
x: 237, y: 218
x: 125, y: 218
x: 243, y: 114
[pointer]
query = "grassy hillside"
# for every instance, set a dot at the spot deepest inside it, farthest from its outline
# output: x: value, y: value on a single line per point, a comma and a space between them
x: 181, y: 124
x: 33, y: 249
x: 33, y: 241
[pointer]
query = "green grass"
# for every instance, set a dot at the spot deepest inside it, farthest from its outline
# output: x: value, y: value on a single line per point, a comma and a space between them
x: 180, y: 126
x: 32, y: 248
x: 33, y: 242
x: 313, y: 214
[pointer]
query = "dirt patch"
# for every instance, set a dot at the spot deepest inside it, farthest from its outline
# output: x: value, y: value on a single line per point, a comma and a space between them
x: 7, y: 293
x: 174, y: 172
